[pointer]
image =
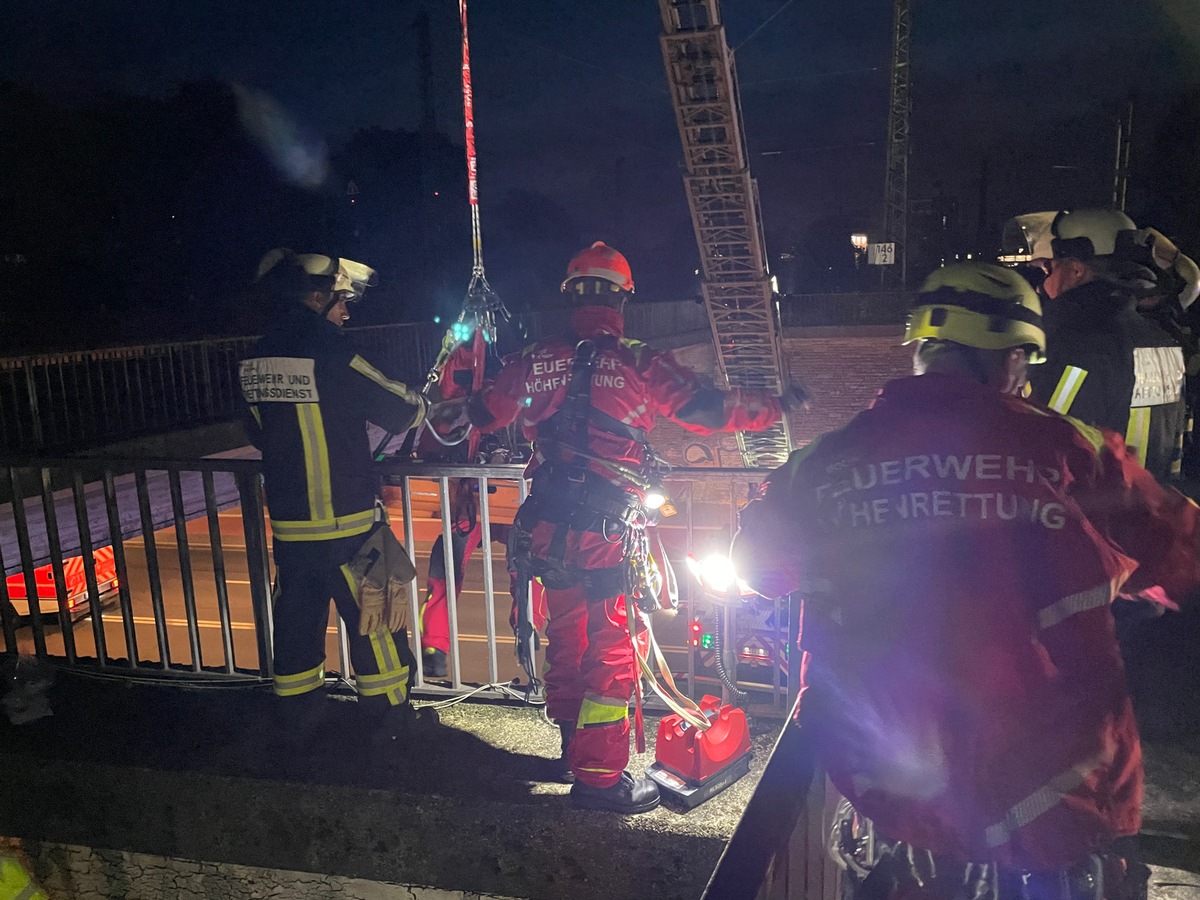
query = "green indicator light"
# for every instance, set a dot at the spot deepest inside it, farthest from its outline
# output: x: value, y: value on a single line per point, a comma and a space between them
x: 706, y: 641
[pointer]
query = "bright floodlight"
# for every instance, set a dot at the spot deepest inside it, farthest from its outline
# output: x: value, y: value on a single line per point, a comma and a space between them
x: 655, y: 499
x: 716, y: 572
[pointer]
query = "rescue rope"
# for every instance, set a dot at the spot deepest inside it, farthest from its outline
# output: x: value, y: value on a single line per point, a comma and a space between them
x: 481, y: 302
x: 677, y: 701
x: 476, y: 321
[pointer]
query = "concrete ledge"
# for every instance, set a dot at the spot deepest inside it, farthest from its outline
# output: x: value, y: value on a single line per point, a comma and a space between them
x: 201, y: 775
x: 66, y: 871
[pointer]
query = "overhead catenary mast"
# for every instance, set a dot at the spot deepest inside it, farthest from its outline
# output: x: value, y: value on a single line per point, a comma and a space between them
x: 895, y: 189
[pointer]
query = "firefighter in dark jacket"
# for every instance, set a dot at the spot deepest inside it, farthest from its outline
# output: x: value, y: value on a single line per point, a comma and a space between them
x: 309, y: 396
x: 586, y: 398
x: 1107, y: 365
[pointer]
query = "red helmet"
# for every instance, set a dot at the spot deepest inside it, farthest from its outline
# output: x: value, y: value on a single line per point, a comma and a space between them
x: 600, y: 261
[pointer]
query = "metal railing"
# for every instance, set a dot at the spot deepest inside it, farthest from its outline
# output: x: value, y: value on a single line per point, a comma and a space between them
x: 66, y: 401
x: 60, y: 402
x: 192, y: 600
x: 193, y: 574
x: 69, y: 400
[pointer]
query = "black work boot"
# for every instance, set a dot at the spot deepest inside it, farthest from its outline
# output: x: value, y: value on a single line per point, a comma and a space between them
x: 629, y: 795
x: 385, y: 725
x: 300, y: 721
x: 435, y: 663
x: 560, y: 769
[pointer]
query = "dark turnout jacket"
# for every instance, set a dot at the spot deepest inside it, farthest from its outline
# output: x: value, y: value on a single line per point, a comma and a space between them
x: 309, y: 396
x: 1110, y: 367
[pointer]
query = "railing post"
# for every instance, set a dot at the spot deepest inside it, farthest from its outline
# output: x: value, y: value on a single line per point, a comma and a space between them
x: 35, y: 415
x: 259, y: 568
x: 54, y: 542
x: 8, y: 615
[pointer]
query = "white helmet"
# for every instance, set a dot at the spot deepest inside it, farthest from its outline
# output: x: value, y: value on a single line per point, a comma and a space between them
x: 299, y: 274
x: 1082, y: 234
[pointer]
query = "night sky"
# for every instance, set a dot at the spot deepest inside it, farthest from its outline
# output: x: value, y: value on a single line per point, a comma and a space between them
x: 571, y: 98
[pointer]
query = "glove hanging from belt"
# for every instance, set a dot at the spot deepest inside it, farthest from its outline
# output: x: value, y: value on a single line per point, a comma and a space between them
x: 381, y: 572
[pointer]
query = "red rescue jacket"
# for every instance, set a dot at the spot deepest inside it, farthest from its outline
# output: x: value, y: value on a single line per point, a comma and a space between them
x: 957, y: 550
x: 631, y: 382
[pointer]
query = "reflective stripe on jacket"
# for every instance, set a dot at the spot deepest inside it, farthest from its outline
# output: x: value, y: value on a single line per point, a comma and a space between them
x: 309, y: 396
x: 1113, y: 368
x: 957, y: 551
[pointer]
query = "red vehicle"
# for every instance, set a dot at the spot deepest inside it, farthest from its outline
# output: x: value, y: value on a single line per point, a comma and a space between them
x: 77, y: 593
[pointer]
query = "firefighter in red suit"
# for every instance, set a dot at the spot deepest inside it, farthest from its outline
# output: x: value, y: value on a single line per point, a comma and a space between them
x: 589, y: 474
x: 958, y: 551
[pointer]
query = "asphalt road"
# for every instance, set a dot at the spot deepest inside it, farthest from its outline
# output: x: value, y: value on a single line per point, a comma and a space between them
x: 175, y: 641
x: 210, y: 631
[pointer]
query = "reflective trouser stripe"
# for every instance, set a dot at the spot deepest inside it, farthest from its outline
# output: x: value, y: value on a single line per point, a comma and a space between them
x: 1068, y: 386
x: 1040, y: 801
x: 596, y: 712
x: 301, y: 683
x: 1137, y: 435
x: 345, y: 570
x: 1063, y: 609
x: 316, y: 460
x: 324, y: 529
x: 392, y: 679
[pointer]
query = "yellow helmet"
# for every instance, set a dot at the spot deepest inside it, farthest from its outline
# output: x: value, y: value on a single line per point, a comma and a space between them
x: 978, y: 305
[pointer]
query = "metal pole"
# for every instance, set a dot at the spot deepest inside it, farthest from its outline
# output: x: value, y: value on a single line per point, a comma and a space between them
x: 185, y: 569
x: 54, y: 546
x: 259, y: 568
x: 117, y: 536
x: 218, y: 560
x: 152, y: 570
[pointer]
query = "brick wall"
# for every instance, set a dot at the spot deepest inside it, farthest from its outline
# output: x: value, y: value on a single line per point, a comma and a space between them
x: 841, y: 367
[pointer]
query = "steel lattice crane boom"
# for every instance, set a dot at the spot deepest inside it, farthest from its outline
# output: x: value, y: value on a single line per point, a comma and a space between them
x: 724, y: 204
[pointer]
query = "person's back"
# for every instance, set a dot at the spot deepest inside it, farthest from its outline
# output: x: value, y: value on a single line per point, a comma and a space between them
x: 587, y: 399
x: 308, y: 398
x: 631, y: 384
x: 1134, y: 372
x: 304, y: 361
x: 957, y: 616
x: 1108, y: 365
x: 958, y: 550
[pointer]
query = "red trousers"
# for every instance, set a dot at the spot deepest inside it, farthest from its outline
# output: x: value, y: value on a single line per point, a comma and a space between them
x: 590, y: 680
x: 590, y: 674
x: 435, y: 612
